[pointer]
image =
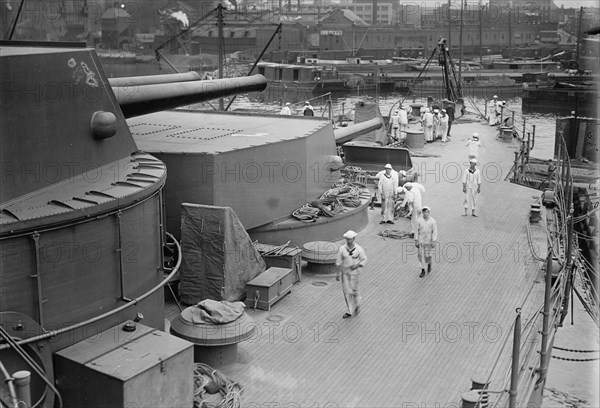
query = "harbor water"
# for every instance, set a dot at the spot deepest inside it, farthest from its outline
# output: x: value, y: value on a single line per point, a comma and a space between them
x: 544, y: 123
x: 271, y: 101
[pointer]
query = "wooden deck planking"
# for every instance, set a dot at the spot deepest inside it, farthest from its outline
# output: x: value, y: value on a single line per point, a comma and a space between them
x: 371, y: 364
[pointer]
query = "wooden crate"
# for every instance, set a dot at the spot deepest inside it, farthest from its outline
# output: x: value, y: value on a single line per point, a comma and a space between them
x: 268, y: 287
x: 290, y: 257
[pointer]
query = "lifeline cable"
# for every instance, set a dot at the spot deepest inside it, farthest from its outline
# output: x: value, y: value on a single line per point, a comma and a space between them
x: 575, y: 350
x: 576, y: 359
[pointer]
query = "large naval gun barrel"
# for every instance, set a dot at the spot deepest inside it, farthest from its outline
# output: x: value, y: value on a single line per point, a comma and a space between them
x: 144, y: 99
x: 348, y: 133
x: 154, y: 79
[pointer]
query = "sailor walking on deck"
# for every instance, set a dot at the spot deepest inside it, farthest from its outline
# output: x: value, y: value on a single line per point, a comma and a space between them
x: 471, y: 187
x: 350, y: 258
x: 425, y: 239
x: 387, y: 186
x: 473, y: 145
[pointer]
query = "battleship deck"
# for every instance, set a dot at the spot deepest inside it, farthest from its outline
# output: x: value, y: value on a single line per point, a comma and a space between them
x: 416, y: 342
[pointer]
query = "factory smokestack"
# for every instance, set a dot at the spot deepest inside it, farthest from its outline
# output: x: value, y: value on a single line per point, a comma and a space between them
x: 374, y: 19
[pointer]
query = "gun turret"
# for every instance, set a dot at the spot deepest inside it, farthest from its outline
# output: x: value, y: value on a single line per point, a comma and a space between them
x: 348, y: 133
x: 144, y: 99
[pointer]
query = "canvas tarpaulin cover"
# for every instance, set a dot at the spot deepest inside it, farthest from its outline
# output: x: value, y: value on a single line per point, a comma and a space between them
x: 218, y: 255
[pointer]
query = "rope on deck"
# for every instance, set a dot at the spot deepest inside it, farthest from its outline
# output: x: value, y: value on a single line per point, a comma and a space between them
x: 331, y: 203
x: 210, y: 381
x: 396, y: 234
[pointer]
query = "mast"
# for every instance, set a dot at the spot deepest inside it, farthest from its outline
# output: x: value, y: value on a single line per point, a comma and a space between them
x: 510, y: 36
x: 354, y: 51
x: 460, y: 38
x: 480, y: 33
x: 578, y: 36
x: 449, y: 23
x: 220, y: 47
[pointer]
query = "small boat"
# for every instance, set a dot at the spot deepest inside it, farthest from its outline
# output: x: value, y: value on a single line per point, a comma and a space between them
x: 560, y: 95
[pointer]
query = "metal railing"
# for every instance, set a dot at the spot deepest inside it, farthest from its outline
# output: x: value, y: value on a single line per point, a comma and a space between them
x: 526, y: 373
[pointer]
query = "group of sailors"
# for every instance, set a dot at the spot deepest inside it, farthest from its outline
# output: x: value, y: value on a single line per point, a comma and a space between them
x: 436, y: 124
x: 399, y: 124
x: 307, y: 110
x: 424, y: 227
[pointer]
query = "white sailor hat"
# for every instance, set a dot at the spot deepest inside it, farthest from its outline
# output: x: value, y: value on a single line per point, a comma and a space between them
x: 350, y: 234
x: 495, y: 96
x: 387, y: 166
x: 474, y: 161
x: 402, y: 173
x: 426, y: 209
x: 287, y: 103
x: 475, y: 135
x: 444, y: 110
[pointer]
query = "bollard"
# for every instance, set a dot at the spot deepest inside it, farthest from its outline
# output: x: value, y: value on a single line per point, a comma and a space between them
x: 22, y: 382
x: 481, y: 386
x: 469, y: 399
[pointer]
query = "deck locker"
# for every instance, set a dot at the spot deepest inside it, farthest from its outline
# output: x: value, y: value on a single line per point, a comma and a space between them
x: 119, y: 368
x: 268, y: 287
x: 288, y: 257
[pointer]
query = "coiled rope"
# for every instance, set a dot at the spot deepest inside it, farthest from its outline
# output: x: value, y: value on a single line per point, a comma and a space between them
x: 348, y: 194
x: 210, y: 381
x: 396, y: 234
x: 306, y: 213
x: 329, y: 206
